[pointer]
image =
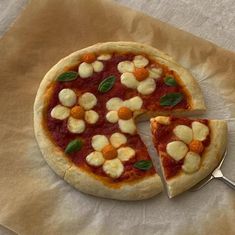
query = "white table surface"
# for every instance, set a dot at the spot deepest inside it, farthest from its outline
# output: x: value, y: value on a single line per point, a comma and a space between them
x: 213, y: 20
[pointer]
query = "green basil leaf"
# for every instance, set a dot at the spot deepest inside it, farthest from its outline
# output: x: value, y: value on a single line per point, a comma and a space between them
x: 106, y: 84
x: 73, y: 146
x: 67, y: 76
x: 143, y: 165
x: 170, y: 81
x: 171, y: 99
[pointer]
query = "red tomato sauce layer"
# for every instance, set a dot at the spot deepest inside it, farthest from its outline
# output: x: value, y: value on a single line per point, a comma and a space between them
x: 61, y: 136
x: 164, y: 135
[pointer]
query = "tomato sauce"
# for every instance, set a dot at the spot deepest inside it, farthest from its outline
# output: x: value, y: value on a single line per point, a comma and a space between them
x: 164, y: 135
x: 61, y: 136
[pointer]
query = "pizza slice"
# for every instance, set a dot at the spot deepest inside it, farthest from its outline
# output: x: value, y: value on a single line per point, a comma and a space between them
x: 189, y: 149
x: 86, y: 110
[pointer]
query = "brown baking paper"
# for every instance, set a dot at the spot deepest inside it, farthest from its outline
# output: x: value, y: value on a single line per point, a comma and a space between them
x: 33, y: 199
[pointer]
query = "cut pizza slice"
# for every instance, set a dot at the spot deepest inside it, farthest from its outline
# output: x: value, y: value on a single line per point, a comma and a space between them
x: 189, y: 149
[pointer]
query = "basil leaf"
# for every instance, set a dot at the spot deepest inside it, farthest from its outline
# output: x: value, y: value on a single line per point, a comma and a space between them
x: 171, y: 99
x: 143, y: 165
x: 107, y: 84
x: 73, y: 146
x: 67, y: 76
x: 170, y: 81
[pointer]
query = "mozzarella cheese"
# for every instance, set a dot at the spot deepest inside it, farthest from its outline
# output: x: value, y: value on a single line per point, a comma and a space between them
x: 127, y: 126
x: 91, y: 116
x: 87, y: 100
x: 67, y: 97
x: 191, y: 162
x: 60, y: 112
x: 76, y: 125
x: 113, y: 168
x: 177, y: 149
x: 125, y: 66
x: 162, y: 120
x: 200, y: 131
x: 98, y: 142
x: 85, y: 70
x: 184, y: 133
x: 104, y: 57
x: 155, y: 73
x: 97, y: 66
x: 95, y: 158
x: 125, y: 153
x: 147, y: 86
x: 134, y: 103
x: 129, y: 80
x: 112, y: 116
x: 114, y: 104
x: 140, y: 61
x: 118, y: 139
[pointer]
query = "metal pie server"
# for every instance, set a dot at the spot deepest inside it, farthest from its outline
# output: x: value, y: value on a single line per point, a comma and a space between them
x: 216, y: 174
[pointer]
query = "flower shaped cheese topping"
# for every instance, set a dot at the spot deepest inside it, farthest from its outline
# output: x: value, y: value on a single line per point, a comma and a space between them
x: 110, y: 154
x: 189, y: 146
x: 77, y: 110
x: 122, y: 112
x: 91, y: 64
x: 136, y: 75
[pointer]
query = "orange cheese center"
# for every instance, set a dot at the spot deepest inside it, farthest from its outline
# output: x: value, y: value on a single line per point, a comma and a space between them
x: 89, y: 58
x: 124, y: 113
x: 196, y: 146
x: 77, y: 112
x: 109, y: 152
x: 141, y: 74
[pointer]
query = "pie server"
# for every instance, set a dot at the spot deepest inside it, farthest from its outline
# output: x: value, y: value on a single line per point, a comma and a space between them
x: 216, y: 174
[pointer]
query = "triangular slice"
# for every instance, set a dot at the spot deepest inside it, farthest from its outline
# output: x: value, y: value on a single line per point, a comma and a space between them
x: 189, y: 149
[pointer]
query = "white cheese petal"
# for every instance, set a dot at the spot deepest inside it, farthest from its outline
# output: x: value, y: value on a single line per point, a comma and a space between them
x: 162, y: 120
x: 125, y: 66
x: 112, y: 116
x: 91, y: 116
x: 191, y: 162
x: 97, y: 66
x: 85, y: 70
x: 184, y: 133
x: 134, y: 103
x: 60, y: 112
x: 125, y: 153
x: 147, y: 86
x: 140, y: 61
x: 98, y: 142
x: 95, y: 158
x: 155, y: 73
x: 127, y: 126
x: 114, y: 104
x: 104, y: 57
x: 87, y: 100
x: 76, y: 125
x: 117, y: 139
x: 67, y: 97
x: 177, y: 149
x: 129, y: 80
x: 200, y: 131
x: 113, y: 168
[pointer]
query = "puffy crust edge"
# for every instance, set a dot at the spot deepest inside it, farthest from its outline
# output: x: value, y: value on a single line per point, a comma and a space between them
x: 210, y: 159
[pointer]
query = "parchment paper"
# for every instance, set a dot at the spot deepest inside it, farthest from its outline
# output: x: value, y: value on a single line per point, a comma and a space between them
x: 33, y: 199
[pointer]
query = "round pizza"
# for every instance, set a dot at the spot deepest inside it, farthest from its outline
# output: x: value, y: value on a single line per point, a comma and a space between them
x: 87, y: 107
x: 189, y: 149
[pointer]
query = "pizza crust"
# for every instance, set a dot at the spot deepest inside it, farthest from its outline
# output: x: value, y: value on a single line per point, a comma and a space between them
x: 58, y: 160
x: 210, y: 159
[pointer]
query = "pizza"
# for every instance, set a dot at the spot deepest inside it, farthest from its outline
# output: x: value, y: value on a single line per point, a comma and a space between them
x: 189, y: 149
x: 87, y: 107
